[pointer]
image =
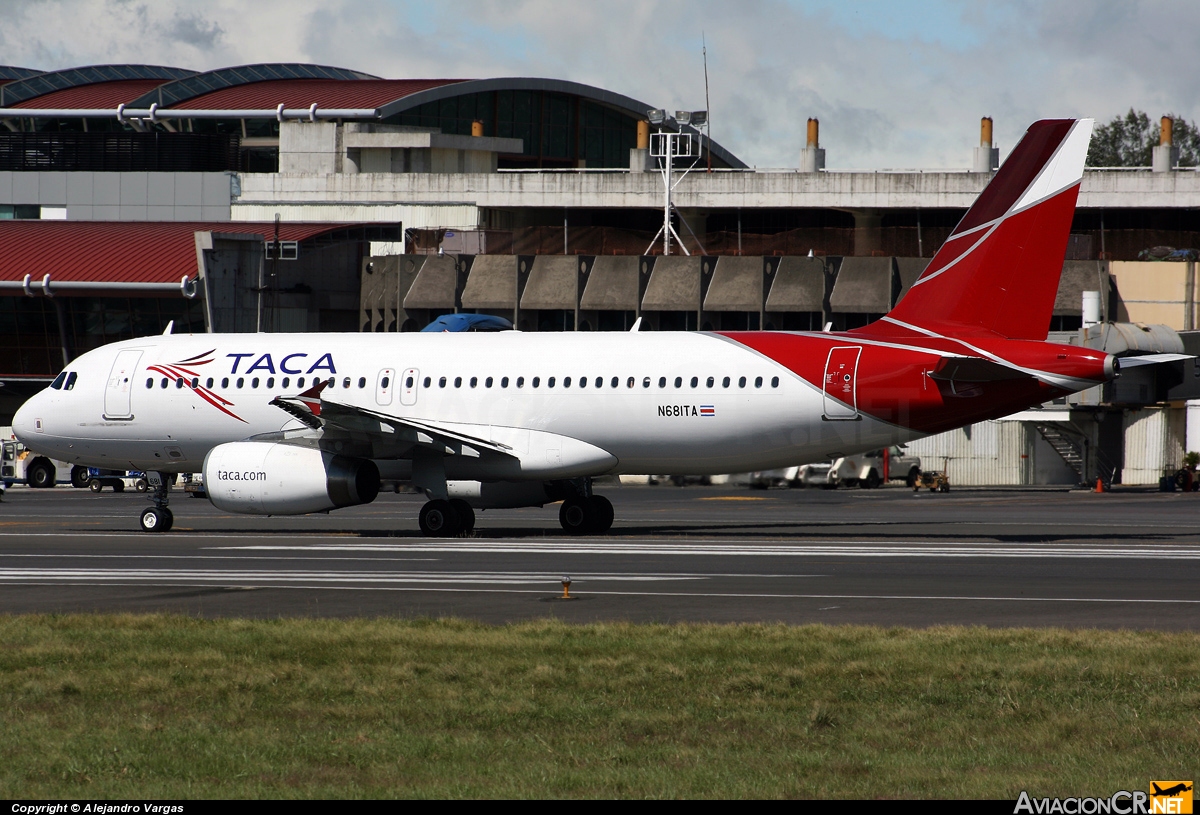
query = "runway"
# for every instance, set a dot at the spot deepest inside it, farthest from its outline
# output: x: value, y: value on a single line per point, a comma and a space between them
x: 714, y: 554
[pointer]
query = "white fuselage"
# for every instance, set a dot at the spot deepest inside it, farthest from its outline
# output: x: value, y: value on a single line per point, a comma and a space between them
x: 655, y: 402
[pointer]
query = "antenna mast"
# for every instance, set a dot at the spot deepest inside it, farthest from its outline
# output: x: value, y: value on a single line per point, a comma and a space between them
x: 707, y: 106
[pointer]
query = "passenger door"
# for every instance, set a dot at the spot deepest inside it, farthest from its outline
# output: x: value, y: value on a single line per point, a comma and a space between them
x: 120, y: 386
x: 840, y: 385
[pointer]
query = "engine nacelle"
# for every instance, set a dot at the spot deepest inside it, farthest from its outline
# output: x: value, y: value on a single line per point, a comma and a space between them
x: 270, y: 478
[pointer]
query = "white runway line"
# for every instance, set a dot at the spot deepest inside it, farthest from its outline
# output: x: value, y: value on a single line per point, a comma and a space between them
x: 221, y: 576
x: 865, y: 549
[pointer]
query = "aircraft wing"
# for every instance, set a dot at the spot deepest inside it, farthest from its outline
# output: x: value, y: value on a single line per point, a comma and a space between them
x: 1152, y: 359
x: 381, y: 431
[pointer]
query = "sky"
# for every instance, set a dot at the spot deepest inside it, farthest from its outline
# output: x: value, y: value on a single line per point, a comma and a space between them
x: 895, y: 83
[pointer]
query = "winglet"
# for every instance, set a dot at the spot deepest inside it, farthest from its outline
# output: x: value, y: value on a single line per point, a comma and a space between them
x: 636, y: 327
x: 312, y: 397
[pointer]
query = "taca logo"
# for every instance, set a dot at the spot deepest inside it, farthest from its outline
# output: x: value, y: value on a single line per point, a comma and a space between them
x: 289, y: 364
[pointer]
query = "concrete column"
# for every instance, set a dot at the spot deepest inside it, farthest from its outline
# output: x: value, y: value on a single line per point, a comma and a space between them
x: 868, y: 232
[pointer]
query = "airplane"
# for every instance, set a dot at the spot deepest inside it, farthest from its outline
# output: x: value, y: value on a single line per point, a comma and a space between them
x: 1170, y: 792
x: 283, y: 424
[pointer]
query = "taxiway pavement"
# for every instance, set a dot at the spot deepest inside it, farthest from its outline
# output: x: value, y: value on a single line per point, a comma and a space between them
x: 713, y: 554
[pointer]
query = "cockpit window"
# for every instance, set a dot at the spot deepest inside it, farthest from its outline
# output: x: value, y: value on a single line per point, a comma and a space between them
x: 71, y: 377
x: 58, y: 381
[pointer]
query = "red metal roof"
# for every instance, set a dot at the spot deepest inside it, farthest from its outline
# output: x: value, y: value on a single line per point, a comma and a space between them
x: 96, y: 95
x: 120, y: 252
x: 300, y: 93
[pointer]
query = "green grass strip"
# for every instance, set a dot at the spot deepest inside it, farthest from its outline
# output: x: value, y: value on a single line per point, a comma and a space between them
x: 168, y: 706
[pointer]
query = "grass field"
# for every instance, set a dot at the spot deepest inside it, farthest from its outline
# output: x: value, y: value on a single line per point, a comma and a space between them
x: 125, y: 706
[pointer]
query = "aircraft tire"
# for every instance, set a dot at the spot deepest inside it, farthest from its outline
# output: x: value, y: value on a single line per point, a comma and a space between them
x: 466, y: 515
x: 604, y: 514
x: 577, y: 516
x: 438, y: 519
x: 79, y: 477
x: 157, y: 519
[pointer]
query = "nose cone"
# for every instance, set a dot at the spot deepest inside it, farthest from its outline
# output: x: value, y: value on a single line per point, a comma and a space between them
x: 26, y: 423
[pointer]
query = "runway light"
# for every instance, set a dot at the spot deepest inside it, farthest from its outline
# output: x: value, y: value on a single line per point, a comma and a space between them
x: 566, y: 581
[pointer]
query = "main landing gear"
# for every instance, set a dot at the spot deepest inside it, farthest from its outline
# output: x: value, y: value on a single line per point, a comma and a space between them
x: 157, y: 518
x: 586, y: 515
x: 446, y: 519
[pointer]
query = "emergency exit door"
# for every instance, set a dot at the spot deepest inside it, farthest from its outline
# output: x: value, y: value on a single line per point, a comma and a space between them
x: 841, y: 383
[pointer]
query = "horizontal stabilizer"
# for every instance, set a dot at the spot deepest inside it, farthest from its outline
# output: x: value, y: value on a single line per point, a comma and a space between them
x: 1152, y: 359
x: 973, y: 369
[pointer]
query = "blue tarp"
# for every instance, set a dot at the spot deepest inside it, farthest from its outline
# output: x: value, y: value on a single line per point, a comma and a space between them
x: 469, y: 322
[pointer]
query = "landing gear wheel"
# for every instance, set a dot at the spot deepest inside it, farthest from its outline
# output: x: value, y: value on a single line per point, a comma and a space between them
x: 119, y: 486
x: 439, y: 520
x: 604, y: 514
x: 79, y: 477
x: 94, y: 485
x: 578, y: 516
x: 157, y: 519
x: 466, y: 515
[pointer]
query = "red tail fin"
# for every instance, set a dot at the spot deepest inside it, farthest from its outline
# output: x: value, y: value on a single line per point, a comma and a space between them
x: 999, y: 269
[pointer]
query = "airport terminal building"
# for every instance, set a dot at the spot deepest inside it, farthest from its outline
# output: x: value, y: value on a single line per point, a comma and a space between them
x: 295, y: 197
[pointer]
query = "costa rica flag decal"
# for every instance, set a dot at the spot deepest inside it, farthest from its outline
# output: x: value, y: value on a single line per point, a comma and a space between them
x: 708, y: 410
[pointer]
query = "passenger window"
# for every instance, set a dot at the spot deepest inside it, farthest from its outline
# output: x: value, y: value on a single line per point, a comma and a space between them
x: 758, y: 381
x: 599, y: 382
x: 195, y: 382
x: 709, y: 382
x: 566, y: 381
x: 679, y: 381
x: 209, y: 383
x: 408, y: 383
x: 178, y: 382
x: 71, y: 377
x: 427, y: 381
x: 662, y: 381
x: 725, y: 382
x: 163, y: 384
x: 615, y: 382
x: 345, y: 383
x: 774, y: 382
x: 300, y: 382
x: 287, y: 381
x: 536, y: 381
x: 629, y: 382
x: 270, y: 381
x: 241, y: 381
x: 58, y: 380
x: 487, y: 383
x: 741, y: 381
x: 474, y: 381
x: 362, y: 382
x: 458, y: 381
x: 520, y: 381
x: 504, y: 382
x: 442, y: 382
x: 646, y: 382
x: 149, y: 383
x: 695, y: 381
x: 550, y: 382
x: 225, y: 382
x: 328, y: 384
x: 254, y: 382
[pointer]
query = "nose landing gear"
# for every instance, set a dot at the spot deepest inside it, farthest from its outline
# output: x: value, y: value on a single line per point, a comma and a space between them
x: 157, y: 518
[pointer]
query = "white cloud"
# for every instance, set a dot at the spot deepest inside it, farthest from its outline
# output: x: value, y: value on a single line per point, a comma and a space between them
x: 884, y: 99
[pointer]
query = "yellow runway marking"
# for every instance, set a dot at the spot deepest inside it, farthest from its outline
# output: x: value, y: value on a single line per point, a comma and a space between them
x: 734, y: 498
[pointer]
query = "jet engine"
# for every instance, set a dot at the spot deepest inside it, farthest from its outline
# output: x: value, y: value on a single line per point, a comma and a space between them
x: 271, y: 478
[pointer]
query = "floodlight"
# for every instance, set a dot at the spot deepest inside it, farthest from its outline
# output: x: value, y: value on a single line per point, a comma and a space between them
x: 683, y: 116
x: 699, y: 118
x: 656, y: 116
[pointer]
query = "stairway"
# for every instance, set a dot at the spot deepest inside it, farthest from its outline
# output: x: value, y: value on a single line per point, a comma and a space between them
x: 1068, y: 445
